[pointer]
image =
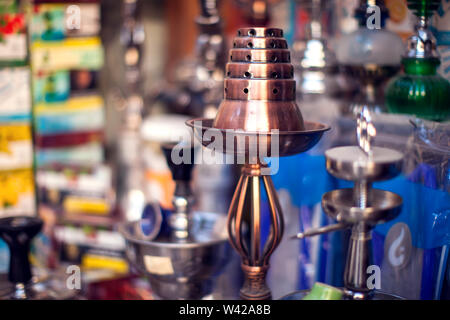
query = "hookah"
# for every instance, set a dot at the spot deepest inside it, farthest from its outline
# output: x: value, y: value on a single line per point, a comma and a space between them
x: 420, y: 90
x: 181, y: 252
x: 130, y: 181
x: 18, y: 232
x: 198, y: 92
x: 370, y: 55
x: 315, y: 63
x: 362, y: 207
x: 258, y: 113
x: 198, y: 83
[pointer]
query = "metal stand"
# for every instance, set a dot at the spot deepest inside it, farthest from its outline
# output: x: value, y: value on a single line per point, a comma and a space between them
x: 183, y: 261
x: 260, y: 112
x: 255, y: 262
x: 362, y: 207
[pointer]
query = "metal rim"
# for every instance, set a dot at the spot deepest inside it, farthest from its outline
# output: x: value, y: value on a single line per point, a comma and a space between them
x: 350, y: 213
x: 323, y: 128
x: 123, y: 229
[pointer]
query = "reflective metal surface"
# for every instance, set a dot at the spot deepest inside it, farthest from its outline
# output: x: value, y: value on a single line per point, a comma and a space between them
x: 259, y: 89
x: 360, y: 208
x: 365, y: 131
x: 255, y: 254
x: 289, y: 143
x: 351, y: 163
x: 257, y: 118
x: 178, y: 270
x: 315, y: 62
x: 372, y: 78
x: 422, y: 44
x: 382, y: 206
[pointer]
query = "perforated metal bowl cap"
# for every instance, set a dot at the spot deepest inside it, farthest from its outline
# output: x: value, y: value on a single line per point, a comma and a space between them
x: 259, y: 88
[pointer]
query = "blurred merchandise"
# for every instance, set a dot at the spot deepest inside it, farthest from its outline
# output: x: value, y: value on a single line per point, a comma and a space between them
x: 314, y: 59
x: 53, y: 87
x: 17, y: 192
x: 131, y: 178
x: 183, y: 257
x: 16, y: 148
x: 89, y: 154
x: 99, y: 99
x: 257, y: 12
x: 412, y: 250
x: 67, y: 106
x: 99, y: 287
x: 401, y: 20
x: 74, y: 183
x: 71, y: 191
x: 156, y: 131
x: 15, y: 94
x: 53, y: 22
x: 80, y: 113
x: 372, y: 54
x: 13, y: 36
x: 321, y: 88
x: 421, y: 91
x: 22, y: 284
x: 93, y: 247
x: 197, y: 91
x: 440, y: 25
x: 198, y: 83
x: 74, y: 53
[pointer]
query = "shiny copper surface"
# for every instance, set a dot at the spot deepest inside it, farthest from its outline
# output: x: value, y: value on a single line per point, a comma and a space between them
x: 260, y: 32
x: 258, y: 111
x: 255, y: 257
x: 260, y: 70
x: 259, y: 89
x: 289, y: 142
x: 253, y: 42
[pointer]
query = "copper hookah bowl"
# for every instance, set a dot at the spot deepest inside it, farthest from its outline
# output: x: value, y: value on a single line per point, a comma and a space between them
x: 259, y: 112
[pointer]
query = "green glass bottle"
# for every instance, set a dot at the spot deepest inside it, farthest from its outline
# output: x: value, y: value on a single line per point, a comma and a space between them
x: 420, y: 90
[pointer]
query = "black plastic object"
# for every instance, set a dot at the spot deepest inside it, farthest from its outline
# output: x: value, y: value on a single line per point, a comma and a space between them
x: 18, y: 232
x: 182, y: 166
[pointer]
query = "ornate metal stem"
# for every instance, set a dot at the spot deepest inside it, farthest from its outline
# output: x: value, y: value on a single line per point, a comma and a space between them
x: 255, y: 258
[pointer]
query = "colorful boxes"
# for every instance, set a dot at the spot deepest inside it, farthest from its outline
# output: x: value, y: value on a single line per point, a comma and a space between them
x: 16, y: 148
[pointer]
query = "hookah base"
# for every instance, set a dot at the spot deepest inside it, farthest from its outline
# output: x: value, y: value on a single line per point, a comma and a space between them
x: 255, y: 287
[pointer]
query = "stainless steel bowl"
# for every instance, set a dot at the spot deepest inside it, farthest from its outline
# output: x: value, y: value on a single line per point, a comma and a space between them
x: 181, y: 270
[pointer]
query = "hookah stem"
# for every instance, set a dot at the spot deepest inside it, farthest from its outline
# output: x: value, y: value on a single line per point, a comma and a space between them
x: 359, y: 252
x: 256, y: 216
x: 361, y: 193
